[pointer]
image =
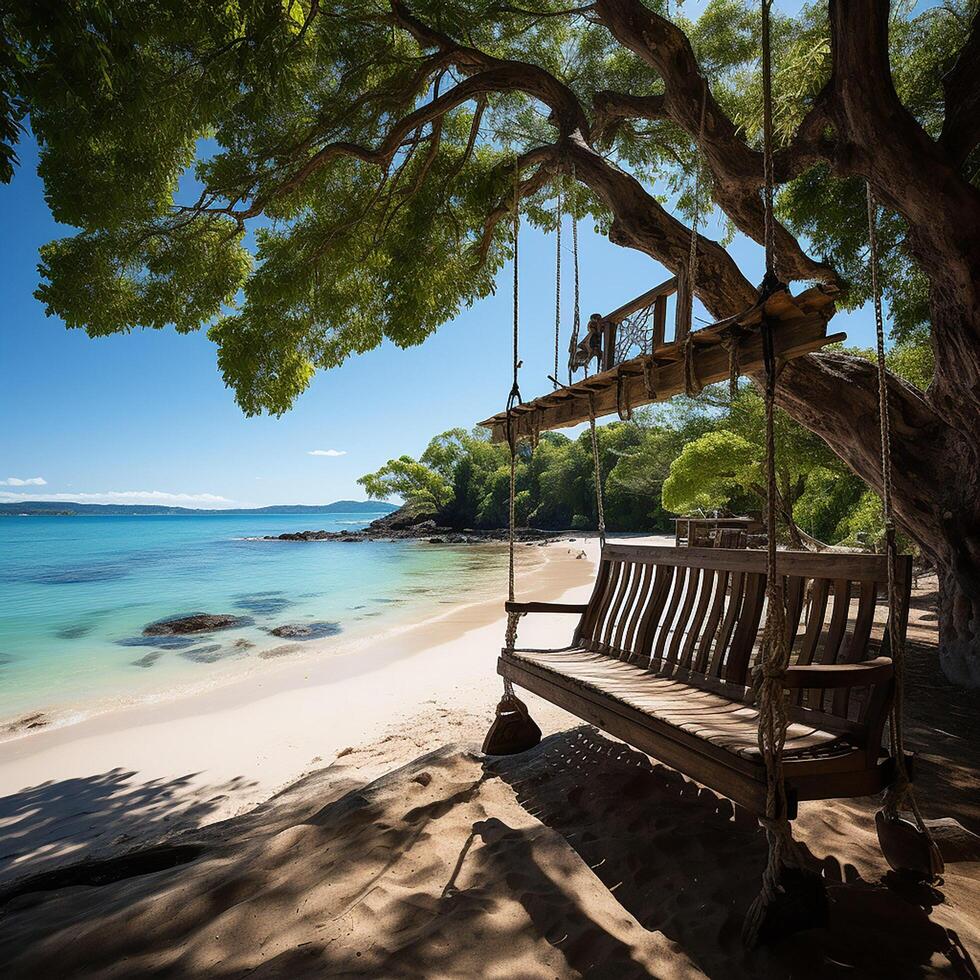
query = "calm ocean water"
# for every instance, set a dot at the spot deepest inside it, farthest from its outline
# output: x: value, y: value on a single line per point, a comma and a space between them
x: 77, y: 592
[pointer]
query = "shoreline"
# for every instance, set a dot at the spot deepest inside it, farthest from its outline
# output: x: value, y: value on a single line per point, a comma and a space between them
x: 54, y: 714
x: 223, y: 750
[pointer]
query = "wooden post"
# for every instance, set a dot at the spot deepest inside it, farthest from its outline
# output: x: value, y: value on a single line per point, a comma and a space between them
x: 659, y: 323
x: 682, y: 314
x: 608, y: 344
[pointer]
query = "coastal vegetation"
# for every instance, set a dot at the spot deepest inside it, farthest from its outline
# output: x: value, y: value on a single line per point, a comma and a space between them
x: 692, y: 454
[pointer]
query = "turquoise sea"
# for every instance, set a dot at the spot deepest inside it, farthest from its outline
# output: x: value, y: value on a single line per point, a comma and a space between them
x: 77, y: 592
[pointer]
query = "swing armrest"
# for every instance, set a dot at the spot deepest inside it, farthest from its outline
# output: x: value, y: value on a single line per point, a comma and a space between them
x: 838, y: 675
x: 545, y: 607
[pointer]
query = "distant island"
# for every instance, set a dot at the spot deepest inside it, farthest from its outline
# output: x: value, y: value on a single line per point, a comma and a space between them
x: 62, y: 508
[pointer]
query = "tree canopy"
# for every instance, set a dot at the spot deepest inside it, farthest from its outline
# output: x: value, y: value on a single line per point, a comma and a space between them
x: 305, y: 181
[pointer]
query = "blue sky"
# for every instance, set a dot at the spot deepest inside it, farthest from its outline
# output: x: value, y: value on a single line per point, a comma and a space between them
x: 145, y: 417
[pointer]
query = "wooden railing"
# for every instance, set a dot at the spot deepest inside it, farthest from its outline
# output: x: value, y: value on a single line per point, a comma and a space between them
x: 656, y: 298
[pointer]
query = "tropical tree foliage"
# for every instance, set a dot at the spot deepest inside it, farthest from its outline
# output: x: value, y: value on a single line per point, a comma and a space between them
x: 697, y: 454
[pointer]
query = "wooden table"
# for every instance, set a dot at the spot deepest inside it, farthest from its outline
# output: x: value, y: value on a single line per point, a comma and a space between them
x: 701, y: 532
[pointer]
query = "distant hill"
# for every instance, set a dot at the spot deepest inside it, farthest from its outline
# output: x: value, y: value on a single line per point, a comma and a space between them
x: 62, y: 508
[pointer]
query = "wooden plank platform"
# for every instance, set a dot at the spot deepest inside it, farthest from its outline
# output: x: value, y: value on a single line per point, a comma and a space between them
x: 801, y: 329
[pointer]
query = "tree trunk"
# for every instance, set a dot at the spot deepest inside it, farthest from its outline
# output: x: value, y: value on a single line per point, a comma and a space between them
x: 935, y: 479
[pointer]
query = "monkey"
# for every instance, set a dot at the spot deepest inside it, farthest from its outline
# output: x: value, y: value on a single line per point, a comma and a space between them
x: 589, y: 348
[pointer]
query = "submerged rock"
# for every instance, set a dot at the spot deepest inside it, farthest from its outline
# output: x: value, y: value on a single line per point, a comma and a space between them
x: 263, y: 603
x: 148, y: 660
x: 195, y: 623
x: 281, y: 651
x: 74, y: 632
x: 160, y: 642
x: 207, y: 654
x: 306, y: 631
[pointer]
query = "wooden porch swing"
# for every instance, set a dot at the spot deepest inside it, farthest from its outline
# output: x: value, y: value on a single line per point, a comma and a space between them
x: 767, y: 676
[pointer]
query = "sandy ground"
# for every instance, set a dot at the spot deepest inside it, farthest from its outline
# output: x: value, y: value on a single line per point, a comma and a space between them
x: 212, y: 755
x: 581, y: 857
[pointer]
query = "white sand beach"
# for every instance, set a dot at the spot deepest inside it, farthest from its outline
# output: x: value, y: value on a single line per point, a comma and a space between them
x: 212, y: 755
x: 342, y: 822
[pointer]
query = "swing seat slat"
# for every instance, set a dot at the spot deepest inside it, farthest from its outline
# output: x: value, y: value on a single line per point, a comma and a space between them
x: 664, y: 651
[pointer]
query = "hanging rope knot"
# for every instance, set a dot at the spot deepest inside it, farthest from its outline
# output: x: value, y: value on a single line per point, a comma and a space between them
x: 731, y: 340
x: 771, y: 284
x: 510, y: 634
x: 763, y: 672
x: 692, y: 386
x: 625, y: 414
x: 648, y: 368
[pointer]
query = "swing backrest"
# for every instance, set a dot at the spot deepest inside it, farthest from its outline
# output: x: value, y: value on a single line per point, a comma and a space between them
x: 696, y: 614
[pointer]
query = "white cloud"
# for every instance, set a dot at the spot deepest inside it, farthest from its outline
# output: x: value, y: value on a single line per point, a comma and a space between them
x: 14, y: 481
x: 124, y: 497
x: 327, y: 452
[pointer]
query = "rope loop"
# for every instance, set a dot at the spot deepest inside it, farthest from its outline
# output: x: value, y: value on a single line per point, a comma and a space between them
x: 625, y: 414
x: 648, y: 383
x: 692, y: 386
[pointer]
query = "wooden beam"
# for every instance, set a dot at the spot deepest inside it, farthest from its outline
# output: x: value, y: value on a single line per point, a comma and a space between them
x: 665, y: 289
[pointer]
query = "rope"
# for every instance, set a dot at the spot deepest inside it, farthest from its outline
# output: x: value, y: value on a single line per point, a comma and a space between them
x: 576, y: 315
x: 558, y: 218
x: 900, y: 791
x: 625, y: 412
x: 600, y: 510
x: 770, y: 670
x: 730, y: 340
x: 767, y: 162
x: 692, y: 259
x: 648, y: 378
x: 513, y: 399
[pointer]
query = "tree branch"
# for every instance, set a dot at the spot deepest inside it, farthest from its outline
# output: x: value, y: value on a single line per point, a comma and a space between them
x: 835, y: 396
x: 961, y: 86
x: 736, y: 168
x: 609, y: 109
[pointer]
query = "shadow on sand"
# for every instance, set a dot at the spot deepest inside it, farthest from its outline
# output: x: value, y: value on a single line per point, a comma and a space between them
x: 55, y: 823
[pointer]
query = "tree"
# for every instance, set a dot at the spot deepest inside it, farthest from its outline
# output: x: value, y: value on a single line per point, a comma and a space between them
x: 726, y: 465
x: 425, y: 490
x: 372, y: 147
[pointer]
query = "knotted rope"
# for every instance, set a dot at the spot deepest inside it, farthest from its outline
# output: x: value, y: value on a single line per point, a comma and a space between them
x: 558, y: 218
x: 648, y: 376
x: 513, y: 399
x: 770, y: 671
x: 624, y: 404
x: 900, y: 791
x: 576, y: 315
x: 692, y: 386
x: 730, y: 340
x: 600, y: 510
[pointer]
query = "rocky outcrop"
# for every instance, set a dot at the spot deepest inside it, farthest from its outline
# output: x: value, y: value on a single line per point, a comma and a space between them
x: 399, y: 526
x: 306, y: 631
x: 195, y: 623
